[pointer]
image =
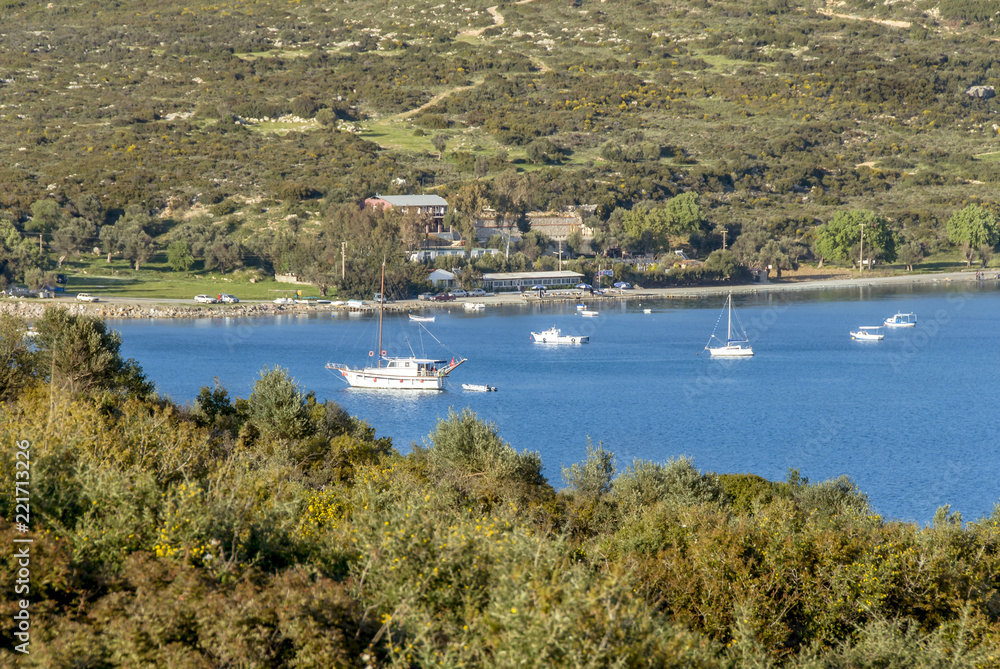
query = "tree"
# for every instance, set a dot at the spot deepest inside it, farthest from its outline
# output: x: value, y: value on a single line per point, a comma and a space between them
x: 723, y: 263
x: 179, y: 256
x: 17, y: 358
x: 81, y: 356
x: 74, y: 234
x: 128, y: 236
x: 439, y: 142
x: 472, y: 450
x: 46, y: 216
x: 910, y: 254
x: 91, y: 209
x: 652, y: 228
x: 973, y: 228
x: 510, y: 197
x: 223, y: 253
x: 17, y: 253
x: 592, y: 478
x: 276, y: 407
x: 773, y: 256
x: 840, y: 238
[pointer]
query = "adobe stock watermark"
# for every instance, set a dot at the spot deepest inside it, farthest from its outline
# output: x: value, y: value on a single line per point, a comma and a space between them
x: 22, y: 554
x: 927, y: 330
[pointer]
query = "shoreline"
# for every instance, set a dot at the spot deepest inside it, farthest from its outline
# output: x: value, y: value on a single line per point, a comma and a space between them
x: 134, y: 308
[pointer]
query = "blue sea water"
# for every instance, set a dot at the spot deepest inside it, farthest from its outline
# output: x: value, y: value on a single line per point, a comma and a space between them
x: 911, y: 419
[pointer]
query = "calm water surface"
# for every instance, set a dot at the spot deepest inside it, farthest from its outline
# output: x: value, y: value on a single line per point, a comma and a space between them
x: 911, y: 419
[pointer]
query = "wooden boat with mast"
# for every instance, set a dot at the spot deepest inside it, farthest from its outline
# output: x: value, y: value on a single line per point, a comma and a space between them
x: 398, y: 373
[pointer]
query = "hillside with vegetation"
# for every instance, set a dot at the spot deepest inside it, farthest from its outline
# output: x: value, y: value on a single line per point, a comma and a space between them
x: 277, y: 531
x: 243, y: 135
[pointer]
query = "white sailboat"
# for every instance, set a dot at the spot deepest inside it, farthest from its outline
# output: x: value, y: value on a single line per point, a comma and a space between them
x: 736, y: 344
x: 398, y: 373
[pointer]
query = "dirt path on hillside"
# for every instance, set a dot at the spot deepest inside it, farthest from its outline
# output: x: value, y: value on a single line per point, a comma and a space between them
x: 852, y: 17
x: 498, y: 20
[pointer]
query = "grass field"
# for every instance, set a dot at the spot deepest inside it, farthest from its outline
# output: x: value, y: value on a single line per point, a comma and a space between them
x: 157, y: 280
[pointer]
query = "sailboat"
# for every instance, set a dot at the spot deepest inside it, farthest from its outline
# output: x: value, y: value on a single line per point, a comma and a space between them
x: 736, y: 345
x: 398, y: 373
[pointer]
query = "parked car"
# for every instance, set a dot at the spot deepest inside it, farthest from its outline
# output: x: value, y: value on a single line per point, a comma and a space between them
x: 458, y: 292
x: 205, y: 299
x: 228, y: 299
x: 425, y: 297
x: 477, y: 292
x: 86, y: 297
x: 444, y: 297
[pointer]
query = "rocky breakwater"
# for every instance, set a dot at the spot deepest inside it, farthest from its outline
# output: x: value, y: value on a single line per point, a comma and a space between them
x: 32, y: 309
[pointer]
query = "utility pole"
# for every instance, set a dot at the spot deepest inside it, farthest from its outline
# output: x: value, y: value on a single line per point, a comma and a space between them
x: 343, y: 260
x: 861, y: 260
x: 40, y: 250
x: 724, y: 231
x: 560, y: 255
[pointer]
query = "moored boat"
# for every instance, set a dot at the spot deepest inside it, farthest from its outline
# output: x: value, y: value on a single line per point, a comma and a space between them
x: 736, y: 345
x: 868, y: 333
x: 554, y: 336
x: 479, y: 387
x: 422, y: 319
x: 901, y: 320
x: 398, y: 373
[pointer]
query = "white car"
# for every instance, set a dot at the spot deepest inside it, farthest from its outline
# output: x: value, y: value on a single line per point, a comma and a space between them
x: 86, y: 297
x: 458, y: 292
x: 205, y: 299
x: 229, y: 299
x: 478, y: 292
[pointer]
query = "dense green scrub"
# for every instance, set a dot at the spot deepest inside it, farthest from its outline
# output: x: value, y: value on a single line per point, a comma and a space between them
x: 277, y: 531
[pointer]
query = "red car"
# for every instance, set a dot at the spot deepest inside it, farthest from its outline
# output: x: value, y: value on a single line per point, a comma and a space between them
x: 444, y: 297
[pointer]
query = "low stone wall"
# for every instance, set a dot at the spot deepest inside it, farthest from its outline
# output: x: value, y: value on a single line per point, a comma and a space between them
x: 32, y: 309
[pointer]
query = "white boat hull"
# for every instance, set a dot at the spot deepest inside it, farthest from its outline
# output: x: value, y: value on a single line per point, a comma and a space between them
x: 542, y: 338
x: 861, y: 336
x: 900, y: 325
x: 478, y: 387
x: 377, y: 378
x: 731, y: 351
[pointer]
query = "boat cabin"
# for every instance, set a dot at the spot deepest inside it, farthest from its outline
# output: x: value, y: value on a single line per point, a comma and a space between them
x: 414, y: 366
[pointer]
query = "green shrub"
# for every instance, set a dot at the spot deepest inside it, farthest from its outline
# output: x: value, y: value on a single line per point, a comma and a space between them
x: 678, y: 483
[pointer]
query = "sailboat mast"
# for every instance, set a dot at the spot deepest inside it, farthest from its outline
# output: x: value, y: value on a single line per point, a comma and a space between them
x: 730, y: 331
x: 381, y: 311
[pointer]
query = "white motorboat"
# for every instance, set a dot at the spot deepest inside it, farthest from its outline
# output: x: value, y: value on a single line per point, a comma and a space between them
x: 474, y: 306
x: 581, y: 307
x: 647, y: 311
x: 398, y: 373
x: 901, y: 320
x: 422, y: 319
x: 736, y: 344
x: 479, y: 387
x: 554, y: 336
x: 589, y: 313
x: 868, y: 333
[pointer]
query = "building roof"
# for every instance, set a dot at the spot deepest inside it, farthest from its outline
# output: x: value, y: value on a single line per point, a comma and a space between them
x: 440, y: 274
x: 513, y: 276
x: 414, y: 200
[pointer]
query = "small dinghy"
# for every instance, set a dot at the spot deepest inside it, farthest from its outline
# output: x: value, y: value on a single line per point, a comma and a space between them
x: 479, y: 387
